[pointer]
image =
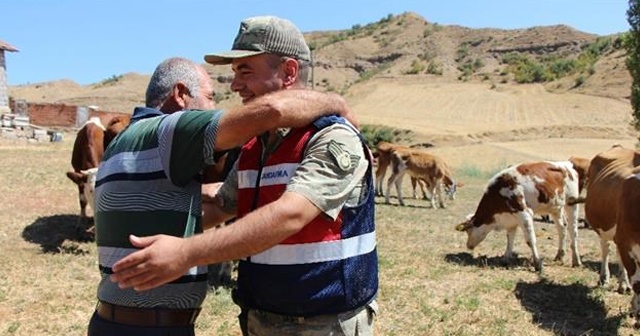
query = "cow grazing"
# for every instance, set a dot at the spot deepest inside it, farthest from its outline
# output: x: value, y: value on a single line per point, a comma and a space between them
x: 609, y: 206
x: 450, y: 186
x: 88, y: 149
x: 421, y: 166
x: 86, y: 178
x: 515, y: 194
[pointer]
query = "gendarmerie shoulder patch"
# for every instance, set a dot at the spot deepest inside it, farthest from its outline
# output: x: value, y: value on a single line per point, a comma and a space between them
x: 340, y: 155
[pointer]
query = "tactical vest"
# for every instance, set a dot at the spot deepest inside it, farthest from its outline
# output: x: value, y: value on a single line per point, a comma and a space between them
x: 329, y: 266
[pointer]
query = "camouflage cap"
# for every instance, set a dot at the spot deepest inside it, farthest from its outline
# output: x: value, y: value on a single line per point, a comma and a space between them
x: 264, y: 34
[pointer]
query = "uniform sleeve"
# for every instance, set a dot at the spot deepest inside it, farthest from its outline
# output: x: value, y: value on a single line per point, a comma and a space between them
x: 332, y: 171
x: 228, y: 192
x: 188, y: 139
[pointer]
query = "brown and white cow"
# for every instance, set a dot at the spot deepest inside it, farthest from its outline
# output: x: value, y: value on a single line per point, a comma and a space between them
x: 88, y: 149
x: 421, y: 166
x: 382, y: 155
x: 608, y: 209
x: 86, y: 178
x: 383, y: 160
x: 515, y: 194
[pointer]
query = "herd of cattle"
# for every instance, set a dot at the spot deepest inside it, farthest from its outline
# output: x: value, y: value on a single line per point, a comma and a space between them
x: 611, y: 181
x: 513, y: 196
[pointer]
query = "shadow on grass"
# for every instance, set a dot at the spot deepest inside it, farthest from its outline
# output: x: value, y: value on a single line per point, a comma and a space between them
x: 381, y: 202
x: 54, y: 232
x: 567, y: 309
x: 466, y: 259
x: 614, y: 267
x: 222, y: 275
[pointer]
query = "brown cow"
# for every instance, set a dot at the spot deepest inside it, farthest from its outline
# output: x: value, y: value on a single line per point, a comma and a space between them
x: 581, y: 166
x: 605, y: 205
x: 88, y: 149
x: 515, y: 194
x: 383, y: 160
x: 114, y: 127
x: 421, y: 166
x: 627, y: 236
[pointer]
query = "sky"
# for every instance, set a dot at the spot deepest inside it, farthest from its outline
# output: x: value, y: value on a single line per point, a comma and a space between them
x: 88, y: 41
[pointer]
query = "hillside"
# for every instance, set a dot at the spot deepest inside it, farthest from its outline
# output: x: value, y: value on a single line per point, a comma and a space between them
x: 437, y: 81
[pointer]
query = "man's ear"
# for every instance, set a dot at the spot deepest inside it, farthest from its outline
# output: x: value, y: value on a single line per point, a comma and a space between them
x: 291, y: 72
x: 180, y: 94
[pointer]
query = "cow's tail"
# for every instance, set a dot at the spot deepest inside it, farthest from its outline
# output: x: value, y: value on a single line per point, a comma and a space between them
x: 576, y: 200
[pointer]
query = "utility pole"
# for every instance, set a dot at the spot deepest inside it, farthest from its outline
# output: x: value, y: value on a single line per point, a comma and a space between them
x: 313, y: 80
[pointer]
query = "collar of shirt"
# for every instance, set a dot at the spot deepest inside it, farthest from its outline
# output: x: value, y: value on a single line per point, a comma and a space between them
x: 140, y: 113
x: 271, y: 143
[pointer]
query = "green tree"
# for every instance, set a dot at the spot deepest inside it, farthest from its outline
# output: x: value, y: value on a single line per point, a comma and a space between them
x: 632, y: 44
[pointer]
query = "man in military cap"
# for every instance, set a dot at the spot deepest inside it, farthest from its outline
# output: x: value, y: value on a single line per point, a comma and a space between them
x: 304, y: 200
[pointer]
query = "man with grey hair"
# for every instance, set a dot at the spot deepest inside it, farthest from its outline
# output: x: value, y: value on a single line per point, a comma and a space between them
x: 304, y: 199
x: 149, y: 183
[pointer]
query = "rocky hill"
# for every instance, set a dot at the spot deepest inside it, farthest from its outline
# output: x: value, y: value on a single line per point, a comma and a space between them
x: 407, y: 47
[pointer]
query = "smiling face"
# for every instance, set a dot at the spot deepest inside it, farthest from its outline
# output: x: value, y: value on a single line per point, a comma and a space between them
x: 257, y: 75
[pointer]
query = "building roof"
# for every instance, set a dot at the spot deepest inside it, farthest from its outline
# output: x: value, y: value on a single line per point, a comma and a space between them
x: 6, y: 46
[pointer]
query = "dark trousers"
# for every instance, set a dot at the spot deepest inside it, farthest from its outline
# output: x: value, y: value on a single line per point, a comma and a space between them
x: 101, y: 327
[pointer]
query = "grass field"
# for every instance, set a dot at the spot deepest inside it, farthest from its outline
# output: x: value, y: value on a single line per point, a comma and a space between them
x: 429, y: 283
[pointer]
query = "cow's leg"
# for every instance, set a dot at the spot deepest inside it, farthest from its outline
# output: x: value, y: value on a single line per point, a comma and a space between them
x: 395, y: 179
x: 508, y: 253
x: 389, y: 183
x: 423, y: 189
x: 604, y: 264
x: 432, y: 190
x: 398, y: 171
x: 623, y: 277
x: 398, y: 183
x: 438, y: 192
x: 83, y: 203
x: 559, y: 221
x: 414, y: 182
x: 380, y: 172
x: 630, y: 260
x: 530, y: 238
x: 571, y: 217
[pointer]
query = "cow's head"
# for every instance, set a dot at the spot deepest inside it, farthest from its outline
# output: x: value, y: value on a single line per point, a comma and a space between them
x: 87, y: 180
x: 451, y: 189
x: 475, y: 234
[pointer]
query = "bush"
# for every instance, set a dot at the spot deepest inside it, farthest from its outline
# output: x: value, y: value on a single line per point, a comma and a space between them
x: 416, y: 68
x: 372, y: 134
x: 434, y: 68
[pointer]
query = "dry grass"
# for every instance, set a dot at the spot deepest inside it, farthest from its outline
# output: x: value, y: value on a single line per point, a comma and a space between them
x: 430, y: 284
